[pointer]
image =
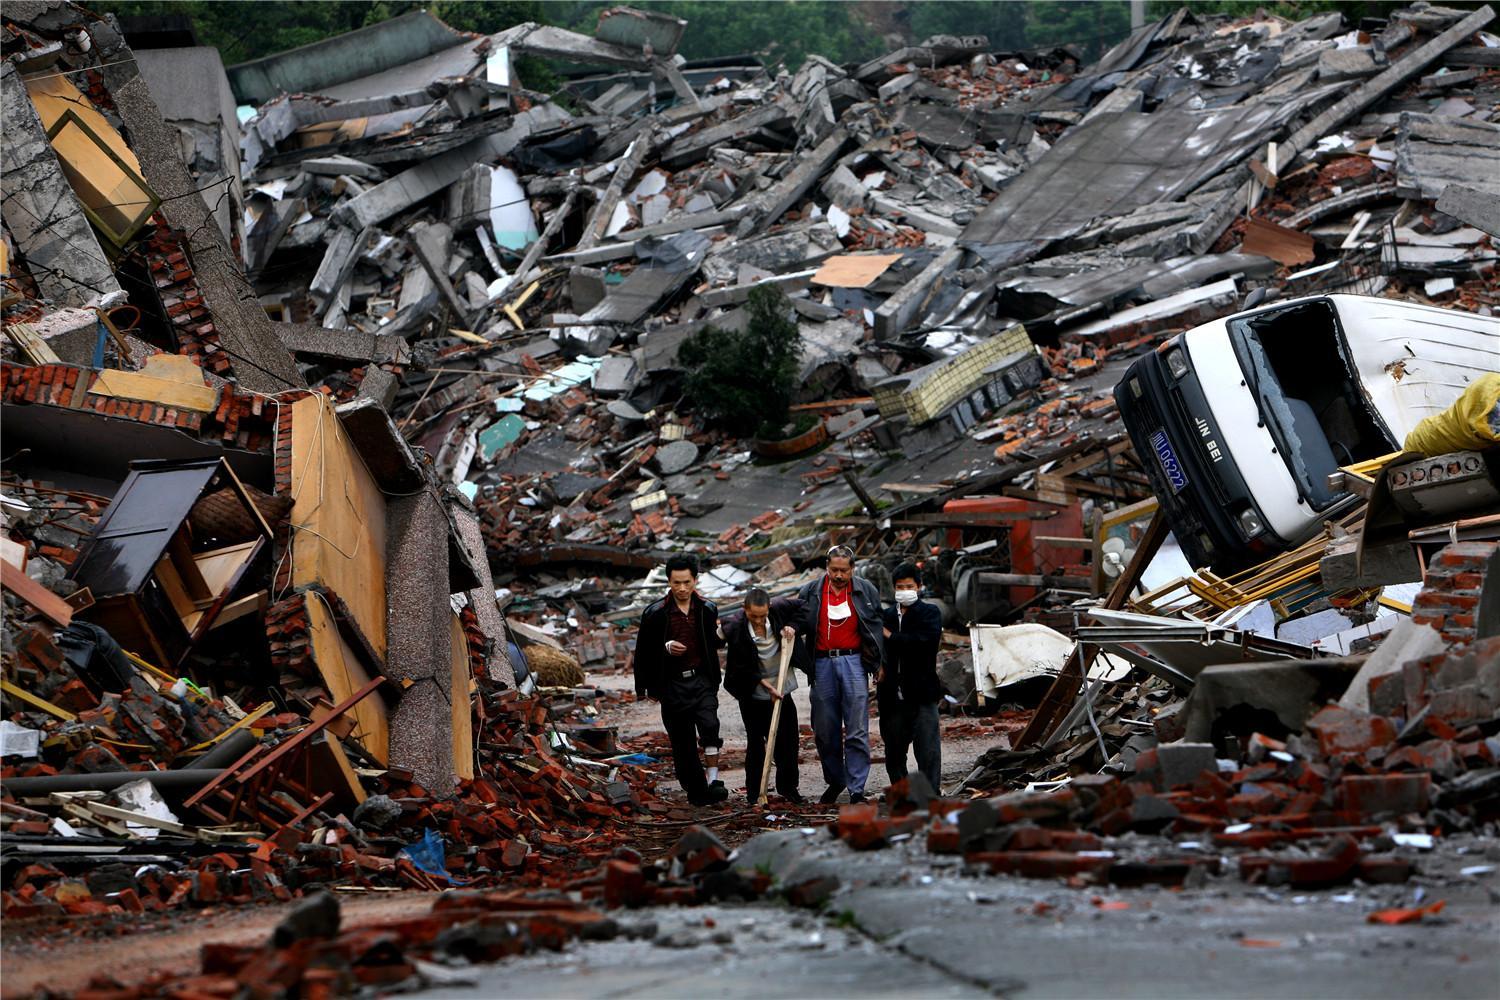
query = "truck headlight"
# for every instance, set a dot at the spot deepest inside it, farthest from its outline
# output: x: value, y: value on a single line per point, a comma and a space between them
x: 1177, y: 362
x: 1250, y: 523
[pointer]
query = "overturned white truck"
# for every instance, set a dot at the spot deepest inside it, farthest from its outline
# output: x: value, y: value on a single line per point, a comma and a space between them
x: 1240, y: 421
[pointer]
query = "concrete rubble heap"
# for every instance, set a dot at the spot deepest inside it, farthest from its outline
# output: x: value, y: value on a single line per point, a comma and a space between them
x: 344, y: 438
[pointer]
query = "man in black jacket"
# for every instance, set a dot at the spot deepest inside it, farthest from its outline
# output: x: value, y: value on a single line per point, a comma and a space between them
x: 677, y: 663
x: 907, y: 689
x: 752, y: 665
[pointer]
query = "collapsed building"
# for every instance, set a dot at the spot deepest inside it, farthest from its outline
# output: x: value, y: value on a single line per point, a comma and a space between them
x: 314, y: 449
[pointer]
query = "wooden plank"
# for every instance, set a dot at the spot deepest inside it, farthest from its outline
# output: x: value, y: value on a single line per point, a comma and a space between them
x: 338, y: 519
x: 31, y: 344
x: 170, y: 380
x: 248, y: 721
x: 344, y: 673
x: 235, y: 610
x: 832, y: 404
x: 53, y: 608
x: 854, y: 270
x: 13, y: 552
x: 244, y: 494
x: 330, y: 764
x: 36, y: 701
x: 918, y: 488
x: 462, y: 711
x: 307, y: 732
x: 138, y: 818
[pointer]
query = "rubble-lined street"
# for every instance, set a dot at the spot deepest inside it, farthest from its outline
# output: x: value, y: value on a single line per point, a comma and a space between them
x: 526, y: 511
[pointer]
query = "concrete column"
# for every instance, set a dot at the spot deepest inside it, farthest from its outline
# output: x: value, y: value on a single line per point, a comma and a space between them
x: 40, y: 209
x: 418, y: 644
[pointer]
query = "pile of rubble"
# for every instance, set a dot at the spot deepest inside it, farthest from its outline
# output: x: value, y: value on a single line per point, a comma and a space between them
x: 329, y: 464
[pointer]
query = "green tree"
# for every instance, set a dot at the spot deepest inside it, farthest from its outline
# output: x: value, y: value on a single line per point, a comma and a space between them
x: 1093, y: 26
x: 1004, y: 24
x: 242, y: 30
x: 778, y: 31
x: 744, y: 380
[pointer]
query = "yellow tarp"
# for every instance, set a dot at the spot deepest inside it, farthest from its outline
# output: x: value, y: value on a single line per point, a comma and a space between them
x: 1470, y: 424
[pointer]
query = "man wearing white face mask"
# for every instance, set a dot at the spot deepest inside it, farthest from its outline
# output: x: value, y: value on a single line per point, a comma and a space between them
x: 907, y: 688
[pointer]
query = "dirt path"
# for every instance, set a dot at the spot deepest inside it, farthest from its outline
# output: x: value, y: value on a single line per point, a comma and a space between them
x: 960, y: 748
x: 42, y: 955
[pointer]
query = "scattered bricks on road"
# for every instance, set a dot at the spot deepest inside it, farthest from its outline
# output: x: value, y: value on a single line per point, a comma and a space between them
x: 699, y: 850
x: 1042, y: 864
x: 1335, y: 867
x: 1374, y: 796
x: 1161, y: 871
x: 1383, y: 869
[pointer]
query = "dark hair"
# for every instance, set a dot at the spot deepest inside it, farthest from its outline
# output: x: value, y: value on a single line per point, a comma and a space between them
x: 907, y: 571
x: 756, y: 597
x: 686, y: 562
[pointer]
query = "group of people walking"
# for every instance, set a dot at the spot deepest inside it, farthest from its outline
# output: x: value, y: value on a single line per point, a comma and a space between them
x: 839, y: 637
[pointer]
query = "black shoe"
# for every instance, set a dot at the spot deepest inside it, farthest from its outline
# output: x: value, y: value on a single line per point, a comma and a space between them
x: 708, y: 797
x: 795, y: 798
x: 831, y: 795
x: 717, y: 792
x: 856, y: 797
x: 716, y: 783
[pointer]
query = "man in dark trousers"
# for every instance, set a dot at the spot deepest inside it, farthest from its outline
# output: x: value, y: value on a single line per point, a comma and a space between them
x: 907, y: 688
x: 752, y: 664
x: 842, y: 625
x: 677, y: 663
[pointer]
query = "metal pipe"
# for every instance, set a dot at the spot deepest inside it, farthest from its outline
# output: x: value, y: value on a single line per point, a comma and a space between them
x: 165, y: 781
x: 226, y: 752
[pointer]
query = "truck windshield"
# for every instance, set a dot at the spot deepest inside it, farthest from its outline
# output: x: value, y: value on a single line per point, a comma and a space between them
x: 1296, y: 364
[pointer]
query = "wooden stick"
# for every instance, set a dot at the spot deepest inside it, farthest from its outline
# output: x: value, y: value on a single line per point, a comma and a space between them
x: 765, y: 764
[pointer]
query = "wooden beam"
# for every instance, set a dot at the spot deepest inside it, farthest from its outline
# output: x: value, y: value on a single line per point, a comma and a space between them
x: 52, y: 607
x: 37, y: 702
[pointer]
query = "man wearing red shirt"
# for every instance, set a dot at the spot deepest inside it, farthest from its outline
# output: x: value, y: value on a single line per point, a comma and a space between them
x: 842, y: 625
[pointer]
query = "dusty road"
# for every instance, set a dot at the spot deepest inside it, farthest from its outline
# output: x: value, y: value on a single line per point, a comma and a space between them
x: 41, y: 956
x: 961, y: 747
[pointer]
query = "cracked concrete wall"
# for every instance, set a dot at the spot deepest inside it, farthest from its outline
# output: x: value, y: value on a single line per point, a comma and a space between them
x: 418, y: 638
x: 245, y: 331
x: 40, y: 209
x: 193, y: 95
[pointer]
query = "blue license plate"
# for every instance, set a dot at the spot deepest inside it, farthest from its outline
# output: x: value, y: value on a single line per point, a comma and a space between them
x: 1169, y: 464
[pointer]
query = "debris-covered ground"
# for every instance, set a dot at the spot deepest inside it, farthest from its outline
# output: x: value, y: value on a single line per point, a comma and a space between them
x: 354, y: 397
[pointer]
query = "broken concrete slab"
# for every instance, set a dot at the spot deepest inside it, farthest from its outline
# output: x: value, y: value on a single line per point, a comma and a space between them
x: 41, y: 210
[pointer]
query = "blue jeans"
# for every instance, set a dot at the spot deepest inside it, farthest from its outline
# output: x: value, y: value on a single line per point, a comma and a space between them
x: 841, y: 721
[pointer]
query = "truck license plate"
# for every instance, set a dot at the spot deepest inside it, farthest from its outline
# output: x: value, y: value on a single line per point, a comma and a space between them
x: 1169, y: 464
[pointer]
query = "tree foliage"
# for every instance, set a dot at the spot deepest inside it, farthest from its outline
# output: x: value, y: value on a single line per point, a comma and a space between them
x: 744, y: 380
x: 247, y: 29
x: 784, y: 31
x: 778, y: 31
